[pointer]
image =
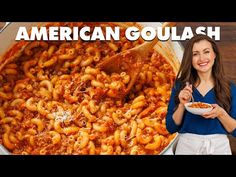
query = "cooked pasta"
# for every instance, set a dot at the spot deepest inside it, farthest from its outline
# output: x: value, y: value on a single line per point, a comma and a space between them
x: 53, y: 99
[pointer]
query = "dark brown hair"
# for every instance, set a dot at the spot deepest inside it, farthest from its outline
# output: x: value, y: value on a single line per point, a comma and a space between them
x: 187, y: 73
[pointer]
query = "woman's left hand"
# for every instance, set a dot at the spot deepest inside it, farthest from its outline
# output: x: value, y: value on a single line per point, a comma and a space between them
x: 217, y: 111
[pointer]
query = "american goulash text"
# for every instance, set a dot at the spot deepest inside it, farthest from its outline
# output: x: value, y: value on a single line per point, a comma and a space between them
x: 55, y: 33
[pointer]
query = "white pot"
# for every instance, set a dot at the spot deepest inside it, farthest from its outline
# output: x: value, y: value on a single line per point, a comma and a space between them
x: 7, y: 39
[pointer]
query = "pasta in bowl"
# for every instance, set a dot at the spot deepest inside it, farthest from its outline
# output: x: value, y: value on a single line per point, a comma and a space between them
x: 53, y: 99
x: 198, y: 108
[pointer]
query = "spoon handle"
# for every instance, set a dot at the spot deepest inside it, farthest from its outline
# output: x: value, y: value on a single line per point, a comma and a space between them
x: 188, y: 84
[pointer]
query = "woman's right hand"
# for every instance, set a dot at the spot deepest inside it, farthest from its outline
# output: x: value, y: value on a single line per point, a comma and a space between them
x: 185, y: 94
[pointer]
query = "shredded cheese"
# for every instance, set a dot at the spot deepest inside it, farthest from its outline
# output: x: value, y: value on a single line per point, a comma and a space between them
x: 62, y: 115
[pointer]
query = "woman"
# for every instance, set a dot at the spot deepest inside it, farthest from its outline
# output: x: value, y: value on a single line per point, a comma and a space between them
x: 201, y: 75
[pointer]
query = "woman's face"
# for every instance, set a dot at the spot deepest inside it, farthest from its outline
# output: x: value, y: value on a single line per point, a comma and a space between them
x: 203, y: 56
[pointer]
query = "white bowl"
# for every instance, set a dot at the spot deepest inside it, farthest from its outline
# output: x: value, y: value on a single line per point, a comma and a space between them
x: 197, y: 111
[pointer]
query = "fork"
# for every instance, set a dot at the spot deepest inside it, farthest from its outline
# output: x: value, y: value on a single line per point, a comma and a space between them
x: 192, y: 99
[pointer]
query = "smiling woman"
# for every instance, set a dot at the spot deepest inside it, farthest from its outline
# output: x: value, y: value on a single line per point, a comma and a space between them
x: 201, y: 65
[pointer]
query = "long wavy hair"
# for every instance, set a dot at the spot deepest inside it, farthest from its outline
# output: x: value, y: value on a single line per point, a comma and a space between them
x: 187, y: 73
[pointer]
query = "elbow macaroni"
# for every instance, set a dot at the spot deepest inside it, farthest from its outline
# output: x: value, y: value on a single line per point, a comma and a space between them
x: 54, y: 100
